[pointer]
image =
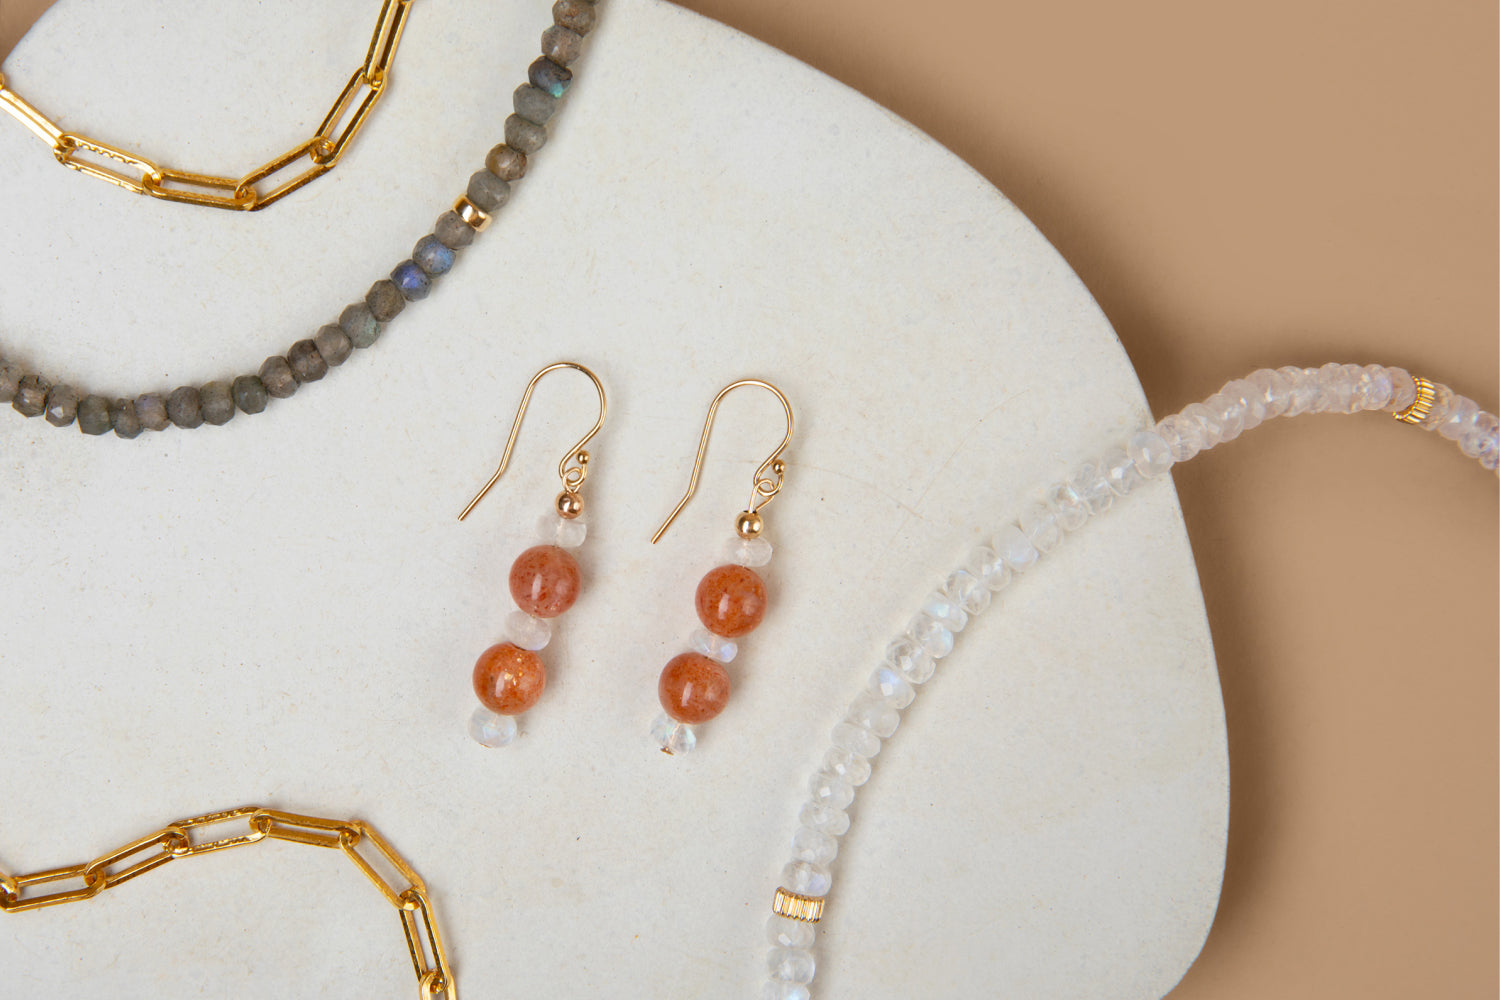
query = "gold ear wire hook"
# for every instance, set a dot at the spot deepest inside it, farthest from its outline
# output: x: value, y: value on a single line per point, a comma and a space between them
x: 572, y: 476
x: 764, y: 489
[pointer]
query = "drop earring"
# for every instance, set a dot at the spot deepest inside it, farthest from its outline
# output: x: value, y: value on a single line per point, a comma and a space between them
x: 545, y: 580
x: 731, y: 598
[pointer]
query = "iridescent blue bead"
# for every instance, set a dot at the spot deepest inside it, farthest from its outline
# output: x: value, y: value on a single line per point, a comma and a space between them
x: 549, y: 76
x: 431, y: 256
x: 411, y: 280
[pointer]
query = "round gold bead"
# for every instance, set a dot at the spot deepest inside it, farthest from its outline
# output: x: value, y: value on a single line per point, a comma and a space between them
x: 748, y: 524
x: 569, y: 505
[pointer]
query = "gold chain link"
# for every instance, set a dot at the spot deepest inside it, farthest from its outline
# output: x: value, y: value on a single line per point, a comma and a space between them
x: 184, y: 839
x: 321, y: 152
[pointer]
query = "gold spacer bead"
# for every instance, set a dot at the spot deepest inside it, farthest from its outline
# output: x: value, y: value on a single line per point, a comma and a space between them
x: 1422, y: 405
x: 748, y: 524
x: 569, y: 505
x: 795, y: 906
x: 477, y: 219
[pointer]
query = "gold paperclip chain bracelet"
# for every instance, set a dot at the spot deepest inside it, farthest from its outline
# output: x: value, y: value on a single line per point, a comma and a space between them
x: 321, y: 152
x: 184, y: 839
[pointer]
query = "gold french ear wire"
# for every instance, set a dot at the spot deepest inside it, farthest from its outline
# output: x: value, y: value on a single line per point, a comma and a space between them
x: 748, y: 522
x: 569, y: 503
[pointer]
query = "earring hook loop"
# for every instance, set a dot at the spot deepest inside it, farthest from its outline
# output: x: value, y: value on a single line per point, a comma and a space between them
x: 768, y: 477
x: 573, y: 469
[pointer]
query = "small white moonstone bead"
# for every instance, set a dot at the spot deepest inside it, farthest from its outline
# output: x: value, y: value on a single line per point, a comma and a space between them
x: 1275, y: 390
x: 1248, y: 395
x: 672, y: 736
x: 967, y: 591
x: 1170, y: 429
x: 528, y: 631
x: 1015, y: 548
x: 830, y: 790
x: 1210, y: 426
x: 887, y: 684
x: 1403, y: 389
x: 806, y: 879
x: 1071, y: 509
x: 1093, y: 489
x: 946, y: 610
x: 491, y: 729
x: 1228, y: 413
x: 875, y: 714
x: 910, y: 661
x: 1039, y: 524
x: 932, y: 635
x: 834, y: 822
x: 1460, y: 419
x: 1120, y: 471
x: 1379, y: 388
x: 813, y: 845
x: 784, y: 932
x: 715, y: 647
x: 1336, y: 389
x: 1304, y: 390
x: 567, y: 533
x: 794, y: 965
x: 748, y: 551
x: 778, y: 989
x: 856, y: 738
x: 986, y: 564
x: 847, y: 765
x: 1150, y: 454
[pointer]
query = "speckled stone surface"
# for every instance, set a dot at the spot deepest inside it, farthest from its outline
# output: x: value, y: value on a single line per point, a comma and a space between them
x: 185, y: 407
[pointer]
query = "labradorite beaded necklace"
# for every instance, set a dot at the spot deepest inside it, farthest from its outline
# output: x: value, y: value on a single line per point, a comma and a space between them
x: 360, y: 324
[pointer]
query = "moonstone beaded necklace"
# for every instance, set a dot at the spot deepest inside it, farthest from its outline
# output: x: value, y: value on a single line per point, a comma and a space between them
x: 360, y: 324
x: 911, y: 659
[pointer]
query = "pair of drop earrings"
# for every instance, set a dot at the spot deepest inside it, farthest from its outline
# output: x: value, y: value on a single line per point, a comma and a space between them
x: 545, y: 581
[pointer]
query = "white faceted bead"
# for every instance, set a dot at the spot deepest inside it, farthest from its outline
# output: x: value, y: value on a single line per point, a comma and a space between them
x: 1170, y: 429
x: 1093, y: 489
x: 748, y: 551
x: 528, y: 631
x: 834, y: 822
x: 1228, y: 413
x: 1479, y: 437
x: 830, y: 790
x: 887, y: 684
x: 794, y: 965
x: 967, y: 591
x: 1015, y: 548
x: 491, y: 729
x: 847, y: 765
x: 874, y: 714
x: 813, y: 845
x: 986, y: 564
x: 672, y: 736
x: 778, y: 989
x: 1150, y: 454
x: 1335, y: 389
x: 1248, y: 395
x: 1071, y: 509
x: 565, y: 532
x: 946, y: 610
x: 1210, y: 426
x: 1378, y: 388
x: 715, y: 647
x: 1040, y: 526
x: 1460, y: 419
x: 784, y: 932
x: 1304, y: 390
x: 806, y: 879
x: 910, y: 661
x: 1275, y: 391
x: 856, y: 738
x: 1403, y: 389
x: 932, y: 635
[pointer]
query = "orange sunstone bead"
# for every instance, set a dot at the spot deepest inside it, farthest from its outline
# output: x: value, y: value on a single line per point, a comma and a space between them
x: 509, y: 679
x: 545, y: 581
x: 693, y: 688
x: 731, y: 600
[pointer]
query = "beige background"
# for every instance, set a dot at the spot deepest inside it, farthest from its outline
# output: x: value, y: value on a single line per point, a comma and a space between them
x: 1260, y: 185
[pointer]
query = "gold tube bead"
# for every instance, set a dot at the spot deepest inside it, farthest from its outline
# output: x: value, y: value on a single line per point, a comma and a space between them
x: 477, y: 218
x: 795, y: 906
x: 1422, y: 405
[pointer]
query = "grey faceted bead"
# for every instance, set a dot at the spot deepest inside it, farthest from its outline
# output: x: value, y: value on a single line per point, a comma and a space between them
x: 218, y: 402
x: 124, y: 419
x: 431, y: 256
x: 333, y: 344
x: 152, y: 411
x: 31, y: 396
x: 385, y: 300
x: 93, y: 415
x: 276, y: 375
x: 249, y: 393
x: 523, y: 135
x: 183, y: 407
x: 562, y: 44
x: 360, y: 326
x: 549, y: 76
x: 577, y: 15
x: 62, y: 405
x: 534, y: 104
x: 307, y: 364
x: 506, y: 163
x: 10, y: 380
x: 489, y: 192
x: 453, y: 232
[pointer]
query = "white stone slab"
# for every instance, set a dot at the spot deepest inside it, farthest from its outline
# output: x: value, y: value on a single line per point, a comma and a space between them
x: 284, y: 610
